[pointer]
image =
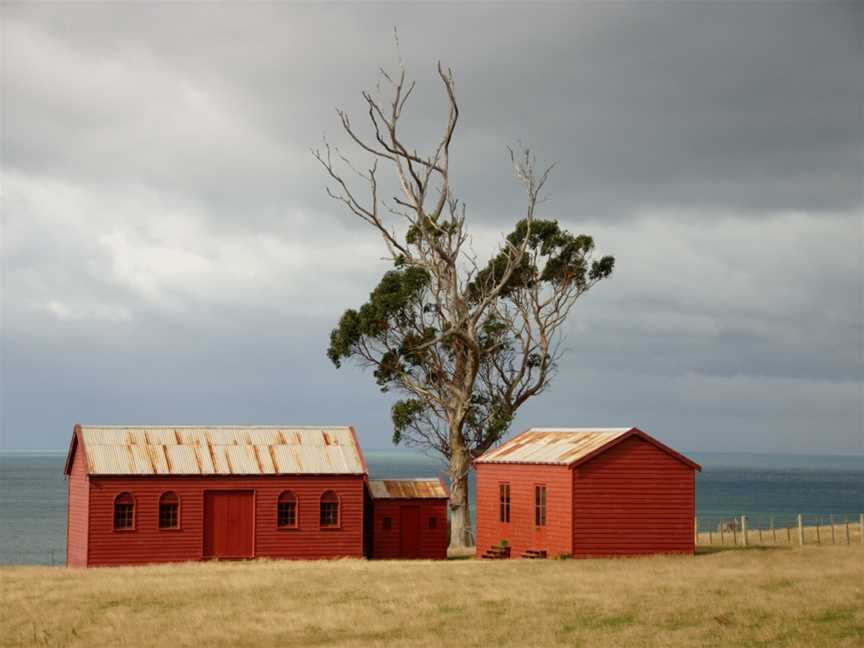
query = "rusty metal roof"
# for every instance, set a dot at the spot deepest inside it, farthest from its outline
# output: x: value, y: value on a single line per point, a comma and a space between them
x: 186, y: 450
x: 562, y: 446
x: 407, y: 489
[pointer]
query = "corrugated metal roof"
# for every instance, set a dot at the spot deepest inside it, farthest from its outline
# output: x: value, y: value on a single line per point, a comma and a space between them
x: 221, y: 450
x: 407, y: 489
x: 562, y: 446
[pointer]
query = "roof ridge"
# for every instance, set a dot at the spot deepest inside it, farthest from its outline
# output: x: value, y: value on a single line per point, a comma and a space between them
x: 215, y: 427
x: 555, y: 446
x: 578, y: 429
x: 417, y: 479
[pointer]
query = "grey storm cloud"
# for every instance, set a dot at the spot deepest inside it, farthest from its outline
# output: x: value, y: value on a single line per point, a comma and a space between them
x: 169, y: 253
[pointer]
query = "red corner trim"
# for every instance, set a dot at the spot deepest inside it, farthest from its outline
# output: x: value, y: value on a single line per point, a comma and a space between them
x: 73, y: 444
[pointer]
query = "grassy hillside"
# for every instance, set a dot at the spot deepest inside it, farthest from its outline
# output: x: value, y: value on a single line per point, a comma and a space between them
x: 811, y: 596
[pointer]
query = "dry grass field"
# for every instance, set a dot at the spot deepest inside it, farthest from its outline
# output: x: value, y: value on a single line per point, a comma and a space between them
x: 810, y: 596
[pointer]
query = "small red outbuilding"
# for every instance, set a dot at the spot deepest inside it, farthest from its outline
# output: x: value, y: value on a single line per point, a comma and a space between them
x: 168, y: 494
x: 585, y: 492
x: 409, y: 518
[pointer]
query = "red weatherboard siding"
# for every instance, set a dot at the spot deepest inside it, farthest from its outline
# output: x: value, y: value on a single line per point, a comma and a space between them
x: 633, y: 498
x: 149, y: 544
x: 433, y: 542
x: 77, y: 490
x: 521, y: 533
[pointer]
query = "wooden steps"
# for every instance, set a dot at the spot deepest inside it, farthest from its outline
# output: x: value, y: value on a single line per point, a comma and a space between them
x: 496, y: 552
x: 534, y: 554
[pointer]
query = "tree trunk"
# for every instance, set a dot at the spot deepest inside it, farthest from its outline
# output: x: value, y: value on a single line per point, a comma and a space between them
x: 460, y: 512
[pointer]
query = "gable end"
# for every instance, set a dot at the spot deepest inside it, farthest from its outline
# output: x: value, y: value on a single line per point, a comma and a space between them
x: 636, y: 432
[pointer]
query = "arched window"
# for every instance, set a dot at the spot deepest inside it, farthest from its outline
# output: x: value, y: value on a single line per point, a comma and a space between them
x: 169, y: 511
x: 329, y: 509
x: 286, y: 511
x: 124, y: 512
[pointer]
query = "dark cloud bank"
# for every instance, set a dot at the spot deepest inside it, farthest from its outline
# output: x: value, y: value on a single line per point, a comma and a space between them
x: 169, y: 255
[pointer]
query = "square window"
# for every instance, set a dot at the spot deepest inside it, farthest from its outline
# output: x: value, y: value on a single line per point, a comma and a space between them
x: 387, y: 523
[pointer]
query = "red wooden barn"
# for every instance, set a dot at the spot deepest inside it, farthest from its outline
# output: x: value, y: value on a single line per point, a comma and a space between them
x: 409, y: 518
x: 585, y: 492
x: 166, y: 494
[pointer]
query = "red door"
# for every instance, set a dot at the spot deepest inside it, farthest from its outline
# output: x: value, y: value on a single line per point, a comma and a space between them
x: 228, y: 524
x: 409, y: 531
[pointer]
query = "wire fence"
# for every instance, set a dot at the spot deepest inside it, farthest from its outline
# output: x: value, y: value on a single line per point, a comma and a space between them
x: 780, y: 529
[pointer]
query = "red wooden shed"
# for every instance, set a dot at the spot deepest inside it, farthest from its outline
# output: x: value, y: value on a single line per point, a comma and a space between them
x: 409, y: 518
x: 167, y: 494
x: 585, y: 492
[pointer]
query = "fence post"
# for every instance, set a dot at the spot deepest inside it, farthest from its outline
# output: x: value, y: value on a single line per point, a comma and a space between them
x: 833, y: 538
x: 818, y: 536
x: 861, y: 537
x: 734, y: 532
x: 801, y: 529
x: 846, y: 519
x: 744, y: 530
x: 696, y: 530
x: 773, y: 532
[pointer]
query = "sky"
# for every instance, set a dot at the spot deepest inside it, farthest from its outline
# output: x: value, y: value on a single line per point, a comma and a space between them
x: 169, y: 254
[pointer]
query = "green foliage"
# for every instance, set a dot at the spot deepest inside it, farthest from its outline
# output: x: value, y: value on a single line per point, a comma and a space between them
x: 395, y: 300
x: 392, y: 331
x: 428, y: 229
x: 565, y: 258
x: 405, y: 413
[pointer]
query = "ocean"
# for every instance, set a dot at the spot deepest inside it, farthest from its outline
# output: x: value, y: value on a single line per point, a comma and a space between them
x: 762, y: 486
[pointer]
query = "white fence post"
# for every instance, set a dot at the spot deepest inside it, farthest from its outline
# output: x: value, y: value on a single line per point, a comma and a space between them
x: 744, y: 530
x: 801, y: 529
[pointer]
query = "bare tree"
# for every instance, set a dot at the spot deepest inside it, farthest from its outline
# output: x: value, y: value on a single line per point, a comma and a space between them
x: 465, y: 344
